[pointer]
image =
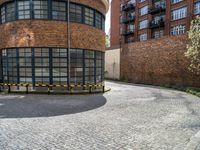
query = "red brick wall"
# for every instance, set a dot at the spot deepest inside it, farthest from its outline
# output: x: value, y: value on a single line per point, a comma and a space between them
x: 158, y: 62
x: 37, y: 33
x: 115, y: 24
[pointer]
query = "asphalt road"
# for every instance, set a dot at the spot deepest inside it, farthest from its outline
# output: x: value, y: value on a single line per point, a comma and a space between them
x: 130, y: 117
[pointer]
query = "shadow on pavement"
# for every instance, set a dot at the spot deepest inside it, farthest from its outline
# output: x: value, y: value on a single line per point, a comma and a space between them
x: 28, y: 106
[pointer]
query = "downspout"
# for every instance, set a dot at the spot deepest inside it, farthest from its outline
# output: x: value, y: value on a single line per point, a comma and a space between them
x: 68, y: 40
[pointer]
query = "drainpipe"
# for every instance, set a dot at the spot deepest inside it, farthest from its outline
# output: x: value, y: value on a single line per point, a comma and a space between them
x: 68, y: 40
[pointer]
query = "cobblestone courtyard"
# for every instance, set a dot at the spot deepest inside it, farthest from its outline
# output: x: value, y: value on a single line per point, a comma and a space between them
x: 130, y: 117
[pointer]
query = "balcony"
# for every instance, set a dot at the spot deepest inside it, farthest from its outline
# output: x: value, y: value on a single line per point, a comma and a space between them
x: 156, y: 9
x: 128, y: 7
x: 128, y: 32
x: 156, y: 24
x: 126, y: 20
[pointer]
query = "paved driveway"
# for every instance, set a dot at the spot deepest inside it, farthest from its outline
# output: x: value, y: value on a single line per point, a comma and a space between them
x: 129, y: 117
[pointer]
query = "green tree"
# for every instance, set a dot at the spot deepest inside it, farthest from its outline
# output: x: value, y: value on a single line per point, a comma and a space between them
x: 107, y: 41
x: 193, y: 49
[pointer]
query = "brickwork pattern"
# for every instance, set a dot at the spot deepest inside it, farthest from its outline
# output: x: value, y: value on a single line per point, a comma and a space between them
x: 40, y: 33
x: 169, y: 23
x: 115, y: 26
x: 158, y: 62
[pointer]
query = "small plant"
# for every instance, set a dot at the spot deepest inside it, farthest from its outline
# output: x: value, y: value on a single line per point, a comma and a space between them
x: 194, y: 91
x: 124, y: 79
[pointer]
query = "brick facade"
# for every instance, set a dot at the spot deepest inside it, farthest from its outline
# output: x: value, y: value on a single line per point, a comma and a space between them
x: 115, y: 26
x: 37, y: 33
x: 118, y: 16
x: 158, y: 62
x: 35, y: 38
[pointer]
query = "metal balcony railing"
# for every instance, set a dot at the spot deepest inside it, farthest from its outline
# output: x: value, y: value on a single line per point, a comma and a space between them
x: 126, y: 20
x: 156, y: 24
x: 128, y: 7
x: 127, y: 32
x: 156, y: 9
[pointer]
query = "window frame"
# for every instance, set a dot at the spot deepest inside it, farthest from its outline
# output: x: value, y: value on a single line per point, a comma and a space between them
x: 197, y: 5
x: 97, y: 19
x: 177, y: 30
x: 89, y: 16
x: 40, y: 9
x: 24, y: 10
x: 179, y: 13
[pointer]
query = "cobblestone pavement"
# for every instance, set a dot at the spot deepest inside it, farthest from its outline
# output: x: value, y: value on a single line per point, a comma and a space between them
x: 130, y: 117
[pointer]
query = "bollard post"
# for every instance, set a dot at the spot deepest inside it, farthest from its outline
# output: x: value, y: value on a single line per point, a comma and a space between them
x: 103, y: 89
x: 48, y: 90
x: 71, y: 88
x: 27, y: 89
x: 90, y: 89
x: 9, y: 90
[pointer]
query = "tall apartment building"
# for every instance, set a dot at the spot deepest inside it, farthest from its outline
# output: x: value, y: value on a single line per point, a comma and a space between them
x: 140, y: 20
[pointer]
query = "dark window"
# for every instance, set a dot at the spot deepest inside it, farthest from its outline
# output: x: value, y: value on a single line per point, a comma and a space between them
x: 103, y: 24
x: 197, y: 8
x: 98, y: 20
x: 89, y: 16
x: 60, y: 67
x: 75, y: 13
x: 129, y: 39
x: 59, y: 10
x: 40, y: 9
x: 40, y: 60
x: 89, y: 66
x: 3, y: 14
x: 99, y: 67
x: 25, y: 65
x: 10, y: 12
x: 42, y: 65
x: 11, y: 68
x: 55, y: 10
x: 23, y: 9
x: 76, y: 63
x: 4, y: 65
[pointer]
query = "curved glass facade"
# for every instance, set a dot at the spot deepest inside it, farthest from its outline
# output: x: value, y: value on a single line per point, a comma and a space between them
x: 51, y: 66
x: 50, y: 10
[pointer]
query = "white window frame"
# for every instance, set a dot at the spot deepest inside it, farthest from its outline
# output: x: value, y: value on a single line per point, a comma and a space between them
x: 197, y: 8
x: 177, y: 30
x: 143, y: 37
x: 144, y: 10
x: 176, y: 1
x: 143, y: 24
x: 179, y: 13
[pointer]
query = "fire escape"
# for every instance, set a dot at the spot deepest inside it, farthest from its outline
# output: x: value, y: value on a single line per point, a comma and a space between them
x: 127, y: 21
x: 157, y: 10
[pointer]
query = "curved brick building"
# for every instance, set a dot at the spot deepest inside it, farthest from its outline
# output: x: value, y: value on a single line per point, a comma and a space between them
x: 51, y: 42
